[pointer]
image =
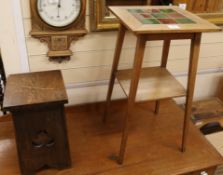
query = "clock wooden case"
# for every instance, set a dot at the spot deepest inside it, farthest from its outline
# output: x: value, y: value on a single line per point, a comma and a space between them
x: 58, y: 38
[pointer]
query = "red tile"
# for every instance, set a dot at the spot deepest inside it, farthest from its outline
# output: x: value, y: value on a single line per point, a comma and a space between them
x: 176, y: 15
x: 155, y: 11
x: 167, y: 21
x: 146, y: 15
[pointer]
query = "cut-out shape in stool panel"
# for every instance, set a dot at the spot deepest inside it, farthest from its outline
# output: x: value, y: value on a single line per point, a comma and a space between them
x: 43, y: 139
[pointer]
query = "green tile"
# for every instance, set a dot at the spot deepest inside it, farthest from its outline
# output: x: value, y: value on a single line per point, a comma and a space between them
x: 135, y: 10
x: 184, y: 21
x: 149, y: 21
x: 167, y: 11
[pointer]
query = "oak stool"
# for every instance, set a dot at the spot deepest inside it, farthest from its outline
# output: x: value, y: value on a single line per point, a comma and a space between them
x: 36, y: 101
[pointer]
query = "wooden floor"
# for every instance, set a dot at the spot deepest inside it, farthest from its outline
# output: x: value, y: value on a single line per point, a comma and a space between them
x: 153, y: 147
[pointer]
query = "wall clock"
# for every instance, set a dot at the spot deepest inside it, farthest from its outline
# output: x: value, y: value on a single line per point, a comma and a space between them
x: 58, y: 23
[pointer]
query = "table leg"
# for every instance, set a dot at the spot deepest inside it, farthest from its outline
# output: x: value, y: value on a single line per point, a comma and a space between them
x: 194, y: 55
x: 120, y: 40
x: 165, y: 54
x: 139, y: 54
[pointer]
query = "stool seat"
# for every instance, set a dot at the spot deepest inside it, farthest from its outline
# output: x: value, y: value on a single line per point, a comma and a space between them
x: 34, y: 89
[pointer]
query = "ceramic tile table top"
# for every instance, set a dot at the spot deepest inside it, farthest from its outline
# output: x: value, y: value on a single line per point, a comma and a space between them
x: 156, y: 19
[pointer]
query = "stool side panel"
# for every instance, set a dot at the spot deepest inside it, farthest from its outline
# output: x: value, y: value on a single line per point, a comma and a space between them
x: 27, y: 126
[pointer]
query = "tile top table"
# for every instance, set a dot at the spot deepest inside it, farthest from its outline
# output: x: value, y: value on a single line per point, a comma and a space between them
x: 156, y: 19
x: 150, y: 23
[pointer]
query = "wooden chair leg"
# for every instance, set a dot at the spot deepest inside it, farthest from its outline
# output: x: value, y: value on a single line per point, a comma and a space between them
x: 165, y: 54
x: 120, y: 40
x: 139, y: 54
x: 194, y: 55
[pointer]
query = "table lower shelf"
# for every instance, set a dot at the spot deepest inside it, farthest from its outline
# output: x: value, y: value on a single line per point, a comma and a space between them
x: 155, y: 83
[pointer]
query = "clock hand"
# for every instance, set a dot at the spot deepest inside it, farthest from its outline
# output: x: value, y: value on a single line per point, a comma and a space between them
x: 59, y: 4
x: 58, y: 8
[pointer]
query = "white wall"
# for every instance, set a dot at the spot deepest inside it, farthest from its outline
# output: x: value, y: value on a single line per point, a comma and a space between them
x: 86, y: 74
x: 12, y: 43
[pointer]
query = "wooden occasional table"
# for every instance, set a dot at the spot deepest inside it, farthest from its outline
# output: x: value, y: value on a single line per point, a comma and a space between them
x: 149, y: 23
x: 36, y: 101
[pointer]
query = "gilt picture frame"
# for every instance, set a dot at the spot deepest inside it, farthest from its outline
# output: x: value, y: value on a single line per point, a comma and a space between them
x: 100, y: 18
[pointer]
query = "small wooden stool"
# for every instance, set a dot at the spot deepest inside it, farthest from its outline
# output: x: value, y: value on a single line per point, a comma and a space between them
x: 36, y: 101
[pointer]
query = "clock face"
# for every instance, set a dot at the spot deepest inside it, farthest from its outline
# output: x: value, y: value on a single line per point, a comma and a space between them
x: 59, y: 13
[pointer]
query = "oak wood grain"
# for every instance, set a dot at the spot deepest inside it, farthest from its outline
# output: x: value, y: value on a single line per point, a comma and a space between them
x: 29, y: 89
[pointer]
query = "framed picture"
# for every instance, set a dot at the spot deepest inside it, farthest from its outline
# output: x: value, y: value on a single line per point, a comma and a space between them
x: 101, y: 19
